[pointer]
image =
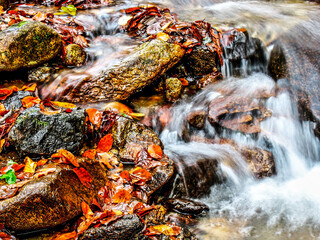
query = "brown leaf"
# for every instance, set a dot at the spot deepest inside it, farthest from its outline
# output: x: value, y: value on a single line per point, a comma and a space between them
x: 84, y: 177
x: 105, y: 143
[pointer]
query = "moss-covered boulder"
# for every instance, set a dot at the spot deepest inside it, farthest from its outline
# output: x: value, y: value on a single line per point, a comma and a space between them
x: 173, y: 89
x: 138, y: 70
x: 35, y: 133
x: 27, y: 44
x: 52, y: 199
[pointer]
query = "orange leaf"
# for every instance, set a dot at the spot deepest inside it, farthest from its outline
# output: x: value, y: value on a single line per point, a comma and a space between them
x: 106, y: 159
x: 2, y: 142
x: 91, y: 154
x: 140, y: 176
x: 84, y: 225
x: 30, y: 166
x: 42, y: 162
x: 63, y: 104
x: 4, y: 93
x: 163, y: 36
x: 121, y: 196
x: 65, y: 236
x: 87, y: 212
x: 68, y: 156
x: 30, y: 101
x: 94, y: 116
x: 84, y: 177
x: 31, y: 88
x: 105, y: 143
x: 40, y: 16
x: 164, y: 229
x: 184, y: 82
x: 155, y: 151
x: 125, y: 175
x: 117, y: 107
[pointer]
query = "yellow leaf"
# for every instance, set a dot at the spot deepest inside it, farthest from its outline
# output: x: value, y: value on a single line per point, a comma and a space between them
x: 117, y: 212
x: 163, y: 36
x: 63, y: 104
x: 32, y: 88
x: 30, y: 165
x: 2, y: 142
x: 137, y: 116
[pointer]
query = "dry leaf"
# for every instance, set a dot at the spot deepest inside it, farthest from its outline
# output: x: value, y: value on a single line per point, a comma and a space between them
x: 94, y: 116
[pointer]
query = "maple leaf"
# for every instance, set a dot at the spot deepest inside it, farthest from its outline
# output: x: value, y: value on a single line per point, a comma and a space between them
x: 84, y: 177
x: 105, y: 143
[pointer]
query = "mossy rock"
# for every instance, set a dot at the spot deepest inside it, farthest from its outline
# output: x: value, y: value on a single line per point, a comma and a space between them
x: 74, y: 55
x: 27, y: 44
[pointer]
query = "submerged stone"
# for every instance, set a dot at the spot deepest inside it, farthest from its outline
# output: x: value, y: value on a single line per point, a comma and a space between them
x: 138, y: 70
x: 53, y: 199
x: 35, y: 133
x: 187, y: 206
x: 27, y: 44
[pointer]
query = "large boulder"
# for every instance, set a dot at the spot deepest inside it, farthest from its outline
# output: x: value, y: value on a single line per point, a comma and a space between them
x: 138, y: 70
x: 52, y: 199
x: 27, y: 44
x: 36, y: 133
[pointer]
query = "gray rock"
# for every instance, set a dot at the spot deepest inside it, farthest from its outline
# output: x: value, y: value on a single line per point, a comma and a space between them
x: 35, y: 133
x: 13, y: 102
x: 27, y: 44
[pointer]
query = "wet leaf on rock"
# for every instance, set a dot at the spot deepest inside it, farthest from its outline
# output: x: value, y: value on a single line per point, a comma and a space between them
x: 140, y: 176
x: 9, y: 176
x: 66, y: 157
x: 121, y: 196
x: 105, y: 143
x: 91, y: 154
x: 169, y: 230
x: 30, y: 166
x: 84, y: 177
x: 155, y: 151
x: 30, y: 101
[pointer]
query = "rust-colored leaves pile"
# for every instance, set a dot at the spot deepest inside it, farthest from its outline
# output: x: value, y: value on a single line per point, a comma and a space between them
x: 154, y: 22
x: 70, y: 29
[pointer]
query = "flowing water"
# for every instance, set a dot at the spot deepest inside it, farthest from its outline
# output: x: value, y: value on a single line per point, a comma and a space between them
x: 284, y: 206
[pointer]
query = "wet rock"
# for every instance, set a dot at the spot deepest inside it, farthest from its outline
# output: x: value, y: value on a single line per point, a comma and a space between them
x: 52, y: 199
x: 122, y: 229
x: 187, y: 206
x: 201, y: 61
x: 297, y: 60
x: 5, y: 4
x: 155, y: 216
x: 138, y: 70
x: 35, y: 133
x: 13, y: 102
x: 237, y: 113
x: 74, y: 55
x: 173, y: 89
x: 238, y: 47
x: 197, y: 119
x: 130, y: 137
x: 41, y: 74
x: 27, y: 44
x: 260, y: 161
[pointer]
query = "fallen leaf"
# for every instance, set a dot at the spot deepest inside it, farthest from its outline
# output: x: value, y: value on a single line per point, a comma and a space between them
x: 42, y: 162
x: 9, y: 176
x: 125, y: 175
x: 155, y: 151
x: 4, y: 93
x: 91, y: 154
x: 63, y: 104
x: 39, y: 16
x: 30, y: 166
x: 184, y: 82
x: 2, y: 142
x: 140, y: 176
x: 84, y: 177
x: 106, y: 158
x: 65, y: 236
x: 87, y: 212
x: 105, y: 143
x: 31, y: 88
x: 164, y: 229
x: 163, y: 36
x: 121, y: 196
x: 94, y: 116
x: 117, y: 107
x: 30, y: 101
x: 66, y: 155
x: 84, y: 225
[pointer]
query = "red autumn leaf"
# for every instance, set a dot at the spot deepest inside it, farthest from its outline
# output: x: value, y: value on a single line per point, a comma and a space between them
x: 121, y: 196
x: 94, y: 116
x: 155, y: 151
x: 84, y: 177
x: 91, y: 154
x: 66, y: 157
x: 105, y: 143
x: 87, y: 212
x: 65, y: 236
x: 4, y: 93
x: 140, y: 176
x: 30, y: 101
